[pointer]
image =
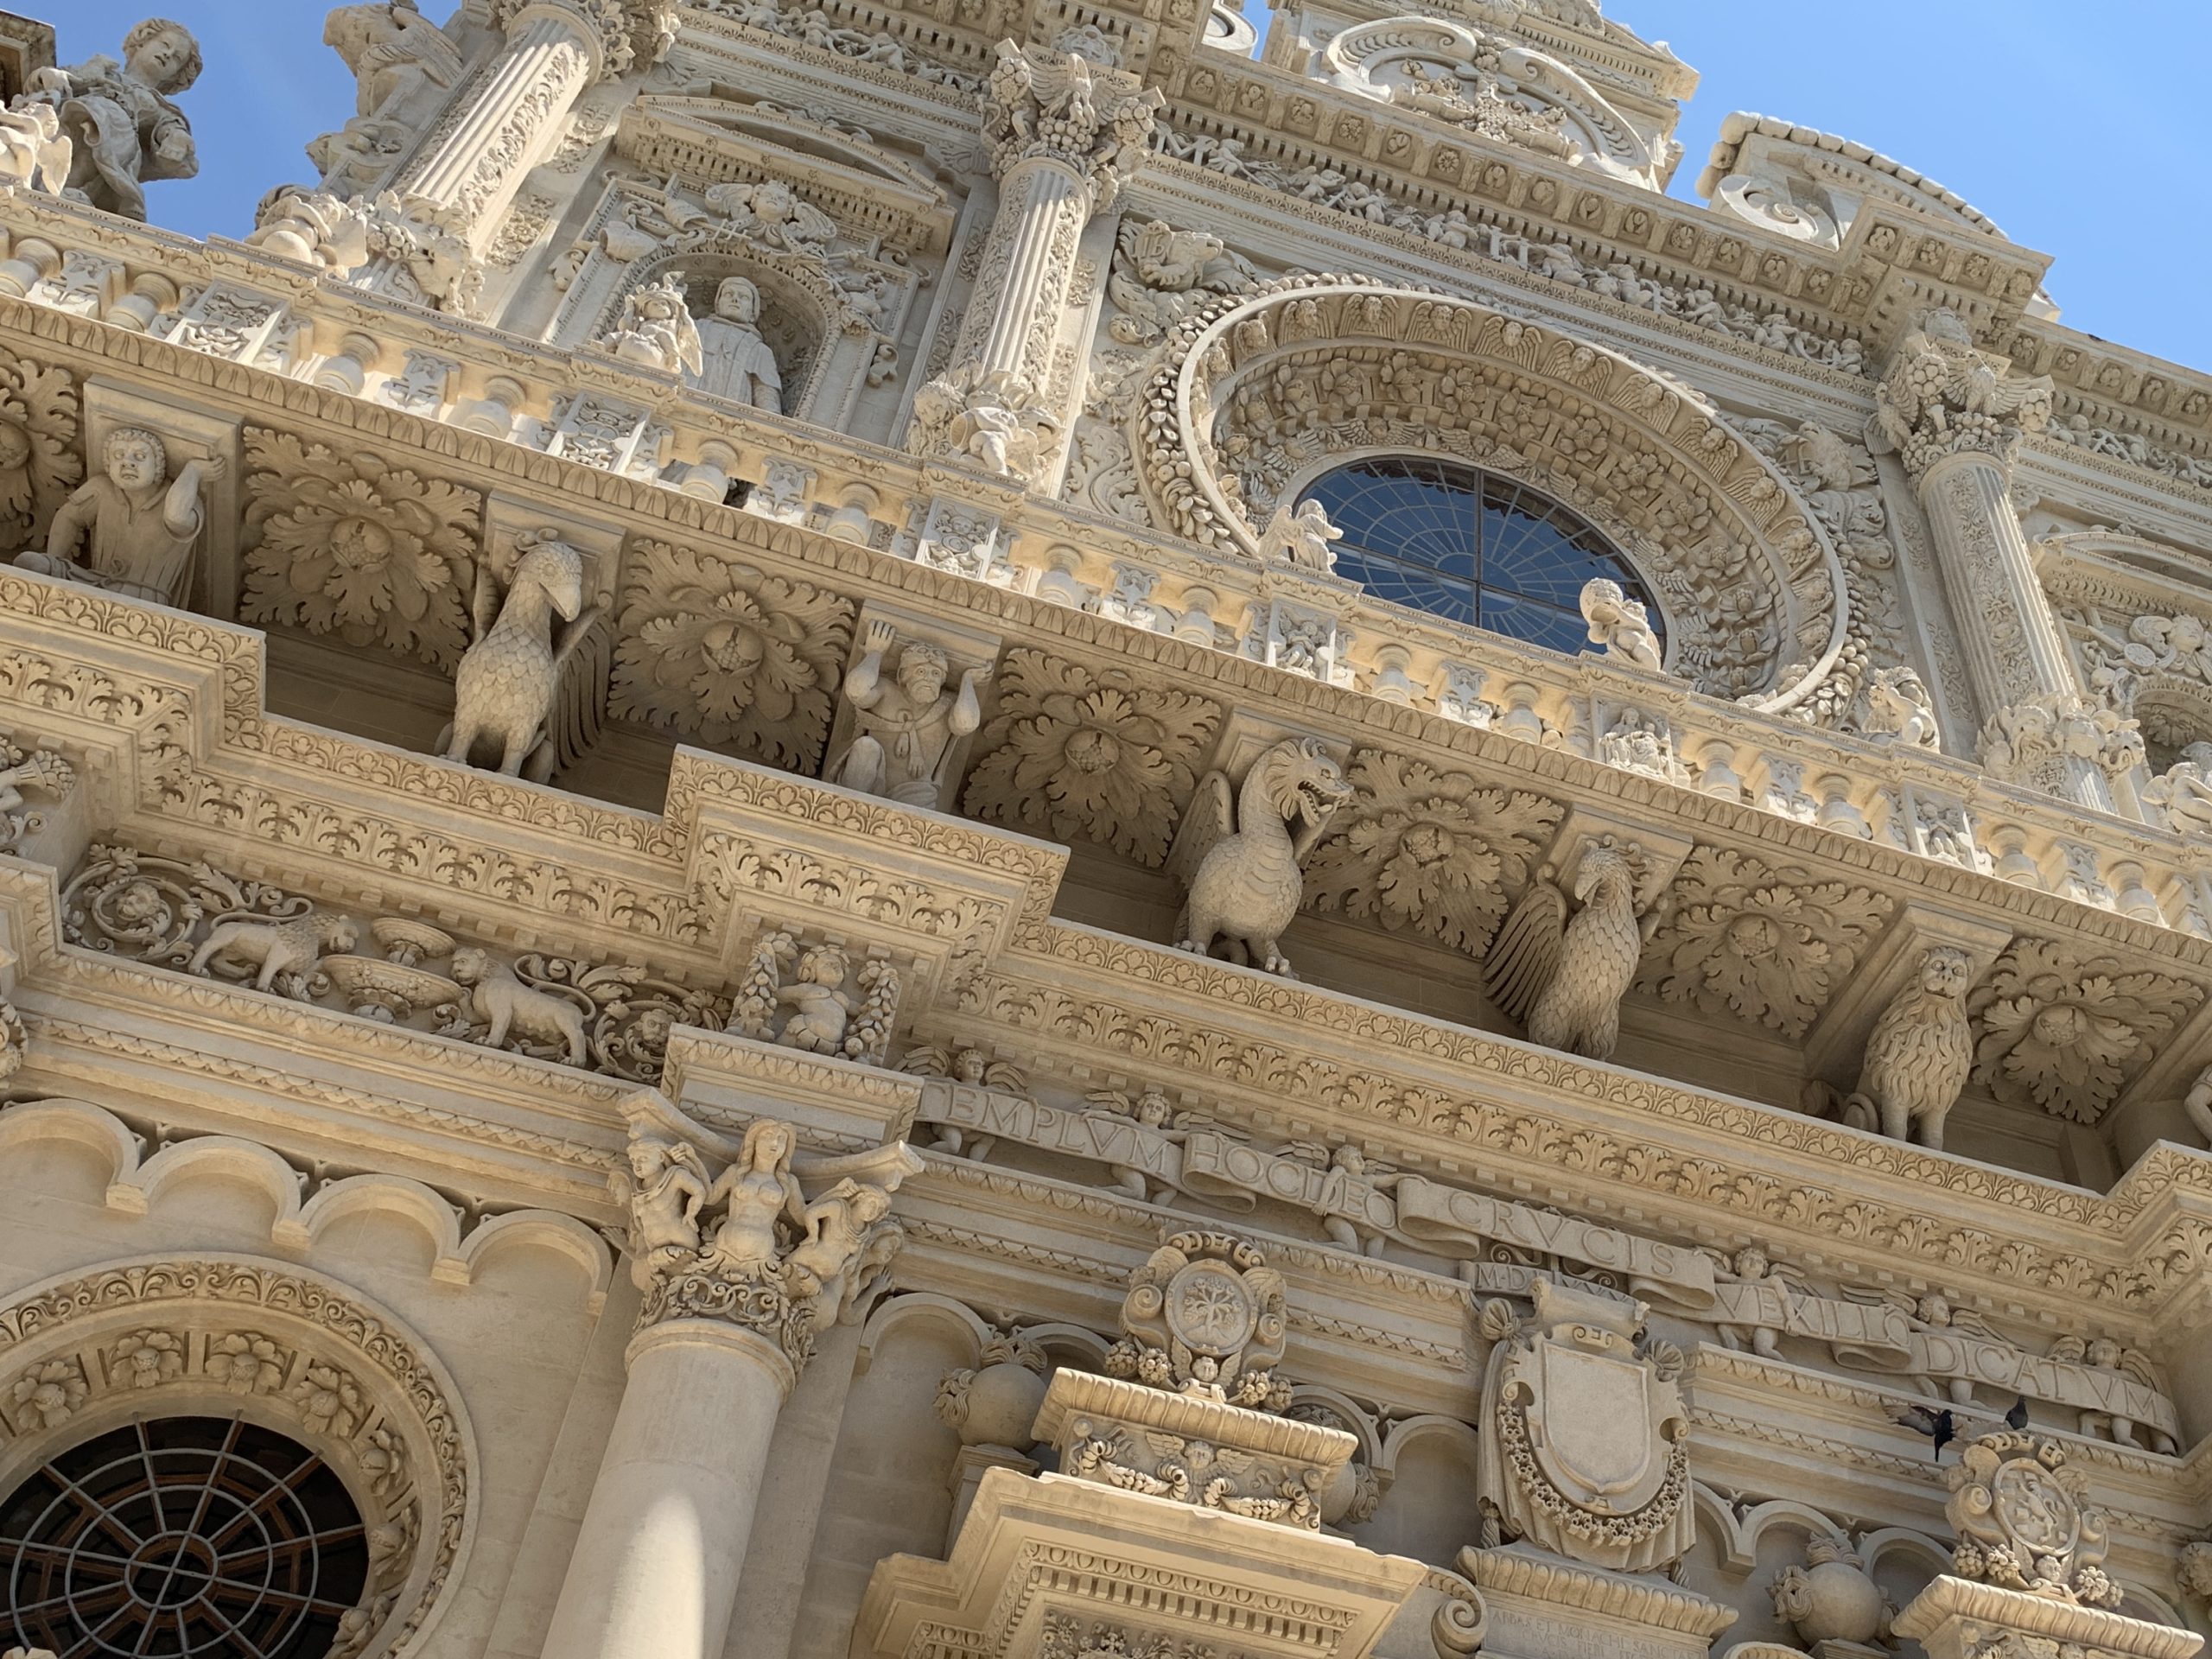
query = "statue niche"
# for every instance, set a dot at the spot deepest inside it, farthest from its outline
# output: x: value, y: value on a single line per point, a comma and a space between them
x: 754, y: 344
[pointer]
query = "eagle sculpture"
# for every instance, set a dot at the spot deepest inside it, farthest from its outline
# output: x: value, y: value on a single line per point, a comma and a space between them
x: 1561, y: 978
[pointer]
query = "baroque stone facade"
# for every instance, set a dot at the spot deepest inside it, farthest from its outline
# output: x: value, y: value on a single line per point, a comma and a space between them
x: 666, y: 745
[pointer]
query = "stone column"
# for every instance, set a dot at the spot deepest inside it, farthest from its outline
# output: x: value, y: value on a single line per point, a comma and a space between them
x: 501, y: 122
x: 736, y: 1273
x: 1066, y: 133
x: 1954, y: 415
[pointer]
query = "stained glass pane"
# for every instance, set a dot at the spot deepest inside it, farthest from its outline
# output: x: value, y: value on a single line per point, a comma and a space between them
x: 1470, y: 546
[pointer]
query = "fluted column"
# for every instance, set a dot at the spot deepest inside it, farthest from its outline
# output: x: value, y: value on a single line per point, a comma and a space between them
x: 736, y: 1273
x: 1066, y: 134
x: 1955, y: 417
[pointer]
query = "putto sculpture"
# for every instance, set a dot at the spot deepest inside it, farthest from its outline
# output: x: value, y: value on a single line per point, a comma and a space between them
x: 907, y: 724
x: 1301, y: 538
x: 1619, y: 624
x: 125, y: 132
x: 1238, y: 853
x: 1561, y: 976
x: 133, y: 527
x: 529, y: 694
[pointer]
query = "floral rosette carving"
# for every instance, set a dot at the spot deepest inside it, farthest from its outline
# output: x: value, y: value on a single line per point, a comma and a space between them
x: 1763, y: 944
x: 39, y: 464
x: 2066, y: 1034
x: 730, y: 654
x: 1095, y: 754
x: 2025, y: 1522
x: 348, y: 545
x: 1428, y: 849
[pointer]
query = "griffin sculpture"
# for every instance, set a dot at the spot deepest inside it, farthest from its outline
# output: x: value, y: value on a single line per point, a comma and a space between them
x: 1561, y: 980
x: 1239, y: 855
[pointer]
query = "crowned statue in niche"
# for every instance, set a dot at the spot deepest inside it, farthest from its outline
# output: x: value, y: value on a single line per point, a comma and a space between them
x: 132, y: 528
x: 736, y: 362
x: 125, y: 130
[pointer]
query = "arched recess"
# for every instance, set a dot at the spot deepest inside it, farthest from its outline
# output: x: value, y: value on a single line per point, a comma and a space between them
x: 222, y: 1336
x: 1492, y: 85
x: 1258, y: 389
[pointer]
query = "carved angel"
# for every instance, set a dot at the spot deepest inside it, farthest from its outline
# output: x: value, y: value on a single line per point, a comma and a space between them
x: 1619, y: 624
x: 1300, y: 539
x: 1562, y: 979
x: 528, y: 692
x: 1238, y: 855
x: 2103, y: 1354
x: 1753, y: 1266
x: 394, y: 52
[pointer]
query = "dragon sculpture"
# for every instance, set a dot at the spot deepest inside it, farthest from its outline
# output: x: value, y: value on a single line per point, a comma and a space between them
x: 1238, y: 855
x: 1561, y: 979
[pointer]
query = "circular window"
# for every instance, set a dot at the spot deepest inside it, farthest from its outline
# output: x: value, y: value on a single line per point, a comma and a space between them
x: 1473, y: 546
x: 184, y: 1536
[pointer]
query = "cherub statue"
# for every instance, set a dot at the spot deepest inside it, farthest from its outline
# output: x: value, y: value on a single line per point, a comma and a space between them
x: 35, y: 153
x: 820, y: 1008
x: 1898, y: 706
x: 1239, y: 854
x: 993, y: 418
x: 734, y: 360
x: 1151, y: 1111
x: 1342, y: 1213
x: 132, y: 528
x: 124, y: 130
x: 1301, y: 539
x: 1619, y: 624
x: 1753, y: 1266
x: 658, y: 331
x: 40, y: 769
x: 2184, y: 788
x: 769, y: 212
x: 908, y: 725
x: 670, y: 1186
x: 313, y: 227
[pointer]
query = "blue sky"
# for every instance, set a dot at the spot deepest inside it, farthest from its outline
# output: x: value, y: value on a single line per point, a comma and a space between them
x: 2071, y: 127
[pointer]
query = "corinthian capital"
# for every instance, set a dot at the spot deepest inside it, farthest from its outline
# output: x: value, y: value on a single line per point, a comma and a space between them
x: 1942, y: 395
x: 1042, y: 103
x: 775, y: 1246
x: 626, y: 34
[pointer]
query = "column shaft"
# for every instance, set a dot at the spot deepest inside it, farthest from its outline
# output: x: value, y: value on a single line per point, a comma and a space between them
x: 1042, y: 208
x: 2013, y: 648
x: 655, y: 1571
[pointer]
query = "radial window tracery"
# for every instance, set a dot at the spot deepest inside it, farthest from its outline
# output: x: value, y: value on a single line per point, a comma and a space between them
x: 186, y: 1536
x: 1474, y: 546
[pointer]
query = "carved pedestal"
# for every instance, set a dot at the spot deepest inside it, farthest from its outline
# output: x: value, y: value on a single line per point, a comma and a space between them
x: 1543, y: 1607
x: 1953, y: 1618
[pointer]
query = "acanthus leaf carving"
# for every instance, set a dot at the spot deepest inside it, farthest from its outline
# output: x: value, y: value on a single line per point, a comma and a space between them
x: 39, y: 466
x: 1097, y: 753
x: 2065, y: 1032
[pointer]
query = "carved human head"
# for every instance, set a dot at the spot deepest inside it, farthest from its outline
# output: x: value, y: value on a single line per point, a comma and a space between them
x: 824, y: 964
x: 969, y: 1064
x: 1349, y: 1159
x: 2104, y: 1354
x: 772, y: 199
x: 2198, y: 755
x: 923, y: 669
x: 1154, y: 1109
x: 163, y: 54
x: 648, y: 1157
x: 869, y: 1205
x: 1751, y: 1262
x: 738, y: 300
x: 767, y: 1144
x: 1934, y: 1310
x: 136, y: 459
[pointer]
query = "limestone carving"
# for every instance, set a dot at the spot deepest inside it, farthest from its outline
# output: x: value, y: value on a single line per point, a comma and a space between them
x: 48, y: 1395
x: 14, y: 1040
x: 730, y: 654
x: 991, y: 417
x: 2194, y: 1572
x: 1832, y: 1597
x: 907, y: 723
x: 35, y: 153
x: 1765, y: 944
x: 125, y: 132
x: 812, y: 998
x: 528, y: 692
x: 2130, y: 1405
x: 1941, y: 395
x: 2063, y: 1032
x: 2023, y: 1522
x: 1431, y: 850
x: 499, y: 1002
x: 1900, y: 710
x: 2184, y: 790
x: 1300, y: 539
x: 39, y: 467
x: 669, y: 1186
x: 1239, y: 855
x: 399, y: 59
x: 2031, y: 741
x: 1160, y: 274
x: 1619, y: 624
x: 1078, y: 753
x: 1585, y: 1441
x: 1204, y: 1317
x: 313, y: 227
x: 133, y: 528
x: 1561, y: 976
x: 348, y: 545
x: 995, y: 1403
x: 725, y: 354
x: 2198, y: 1104
x: 757, y: 1251
x: 37, y: 769
x: 1058, y: 105
x: 657, y: 330
x: 1919, y: 1054
x: 279, y: 956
